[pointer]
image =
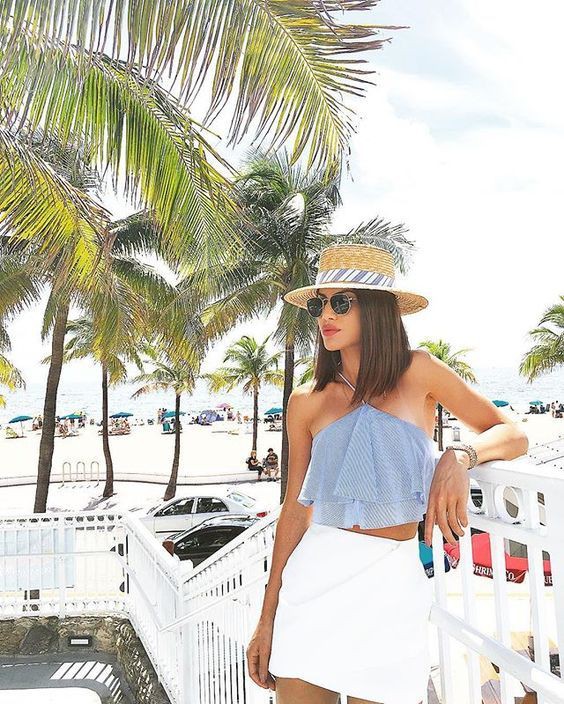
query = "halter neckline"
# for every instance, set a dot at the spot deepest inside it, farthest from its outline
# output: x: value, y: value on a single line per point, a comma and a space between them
x: 369, y: 405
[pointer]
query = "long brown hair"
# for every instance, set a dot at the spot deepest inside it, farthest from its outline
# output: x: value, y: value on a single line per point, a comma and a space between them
x: 385, y: 353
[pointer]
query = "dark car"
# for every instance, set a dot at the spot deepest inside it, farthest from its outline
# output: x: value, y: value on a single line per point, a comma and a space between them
x: 201, y: 541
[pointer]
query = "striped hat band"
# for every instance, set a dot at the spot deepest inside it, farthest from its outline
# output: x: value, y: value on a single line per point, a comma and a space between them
x: 361, y: 276
x: 357, y: 266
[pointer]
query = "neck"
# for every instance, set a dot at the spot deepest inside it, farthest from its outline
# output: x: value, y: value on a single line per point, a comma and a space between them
x: 350, y: 364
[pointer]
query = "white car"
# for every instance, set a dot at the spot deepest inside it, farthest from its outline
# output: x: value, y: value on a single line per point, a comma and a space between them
x: 184, y: 512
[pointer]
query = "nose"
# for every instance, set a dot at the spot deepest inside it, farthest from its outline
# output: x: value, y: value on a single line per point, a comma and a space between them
x: 327, y: 312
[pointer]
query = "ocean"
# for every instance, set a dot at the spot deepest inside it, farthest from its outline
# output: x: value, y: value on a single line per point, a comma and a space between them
x: 493, y: 382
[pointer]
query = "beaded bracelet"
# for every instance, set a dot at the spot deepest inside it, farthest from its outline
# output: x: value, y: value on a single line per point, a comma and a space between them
x: 470, y: 451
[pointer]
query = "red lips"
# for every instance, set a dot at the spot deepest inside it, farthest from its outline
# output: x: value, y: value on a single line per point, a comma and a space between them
x: 328, y: 330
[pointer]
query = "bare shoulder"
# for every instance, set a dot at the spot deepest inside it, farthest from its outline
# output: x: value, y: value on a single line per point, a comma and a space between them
x: 420, y: 360
x: 305, y: 404
x: 300, y: 404
x: 416, y: 374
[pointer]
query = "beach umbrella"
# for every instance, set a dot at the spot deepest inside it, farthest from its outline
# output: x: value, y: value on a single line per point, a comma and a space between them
x: 171, y: 414
x: 121, y: 414
x: 501, y: 403
x: 426, y: 557
x: 224, y: 406
x: 71, y: 416
x: 515, y: 567
x: 272, y: 411
x: 535, y: 403
x: 20, y: 420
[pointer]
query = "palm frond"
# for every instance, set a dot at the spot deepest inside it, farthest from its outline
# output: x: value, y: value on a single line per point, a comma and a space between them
x: 286, y: 64
x: 39, y: 206
x: 136, y: 129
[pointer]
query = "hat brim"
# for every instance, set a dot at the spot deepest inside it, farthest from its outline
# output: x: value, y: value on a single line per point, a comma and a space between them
x: 408, y: 302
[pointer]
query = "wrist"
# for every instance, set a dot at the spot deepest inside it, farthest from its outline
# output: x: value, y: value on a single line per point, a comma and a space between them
x: 266, y: 620
x: 461, y: 456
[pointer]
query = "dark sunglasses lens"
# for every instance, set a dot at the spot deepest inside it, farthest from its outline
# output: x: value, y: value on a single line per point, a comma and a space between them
x: 315, y: 306
x: 340, y: 303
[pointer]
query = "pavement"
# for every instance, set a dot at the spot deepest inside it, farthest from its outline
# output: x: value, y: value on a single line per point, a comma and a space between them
x: 72, y: 695
x: 80, y: 678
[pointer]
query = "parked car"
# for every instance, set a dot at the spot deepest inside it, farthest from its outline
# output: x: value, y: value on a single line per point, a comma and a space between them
x: 201, y: 541
x: 185, y: 512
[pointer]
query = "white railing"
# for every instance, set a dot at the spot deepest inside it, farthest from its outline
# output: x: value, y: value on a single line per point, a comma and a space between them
x: 517, y: 484
x: 195, y: 623
x: 60, y: 564
x: 81, y: 471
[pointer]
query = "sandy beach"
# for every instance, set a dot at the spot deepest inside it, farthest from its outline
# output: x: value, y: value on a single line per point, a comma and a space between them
x: 209, y: 455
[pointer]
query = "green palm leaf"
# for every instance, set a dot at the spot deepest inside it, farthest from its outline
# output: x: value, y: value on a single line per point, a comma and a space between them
x: 38, y: 205
x: 285, y: 63
x: 136, y: 129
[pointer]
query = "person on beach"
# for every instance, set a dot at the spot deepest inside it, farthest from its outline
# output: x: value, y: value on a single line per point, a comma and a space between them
x: 271, y: 464
x: 347, y: 602
x: 253, y: 463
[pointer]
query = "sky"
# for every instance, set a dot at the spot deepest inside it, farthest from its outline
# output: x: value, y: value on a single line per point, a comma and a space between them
x: 462, y: 140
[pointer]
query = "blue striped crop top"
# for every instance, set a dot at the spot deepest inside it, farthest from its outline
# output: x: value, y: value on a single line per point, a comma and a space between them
x: 369, y: 468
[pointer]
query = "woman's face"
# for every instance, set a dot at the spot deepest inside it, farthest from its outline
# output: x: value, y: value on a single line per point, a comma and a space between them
x: 339, y: 331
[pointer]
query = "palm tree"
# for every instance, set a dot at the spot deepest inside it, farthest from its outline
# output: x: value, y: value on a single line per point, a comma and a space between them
x: 285, y: 66
x: 10, y: 377
x: 290, y: 210
x: 168, y: 375
x: 252, y: 366
x: 442, y: 350
x: 548, y: 352
x: 81, y: 344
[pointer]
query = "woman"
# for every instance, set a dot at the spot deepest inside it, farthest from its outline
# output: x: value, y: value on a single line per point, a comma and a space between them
x: 347, y: 602
x: 253, y: 463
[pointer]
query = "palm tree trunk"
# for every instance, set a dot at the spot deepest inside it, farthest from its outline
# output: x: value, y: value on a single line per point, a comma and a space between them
x: 47, y: 442
x: 171, y: 488
x: 440, y: 429
x: 109, y: 487
x: 288, y: 386
x: 255, y: 418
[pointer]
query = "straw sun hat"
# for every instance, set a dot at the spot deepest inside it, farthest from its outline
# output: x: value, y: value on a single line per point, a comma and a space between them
x: 357, y: 266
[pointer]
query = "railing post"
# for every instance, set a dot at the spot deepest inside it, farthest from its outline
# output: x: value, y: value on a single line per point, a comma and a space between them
x: 66, y: 463
x: 61, y: 562
x: 554, y: 503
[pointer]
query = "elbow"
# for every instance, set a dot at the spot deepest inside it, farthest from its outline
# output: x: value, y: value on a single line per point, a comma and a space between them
x: 519, y: 442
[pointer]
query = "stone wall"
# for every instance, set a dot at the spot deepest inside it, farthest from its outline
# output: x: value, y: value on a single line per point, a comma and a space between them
x: 112, y: 635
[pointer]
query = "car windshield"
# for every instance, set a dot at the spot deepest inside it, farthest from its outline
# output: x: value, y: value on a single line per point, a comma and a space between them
x: 243, y: 499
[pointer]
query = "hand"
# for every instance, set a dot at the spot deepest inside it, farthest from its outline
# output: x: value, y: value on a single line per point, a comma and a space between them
x: 448, y: 496
x: 258, y: 655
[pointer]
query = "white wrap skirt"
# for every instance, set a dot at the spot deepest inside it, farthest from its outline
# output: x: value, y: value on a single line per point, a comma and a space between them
x: 352, y: 616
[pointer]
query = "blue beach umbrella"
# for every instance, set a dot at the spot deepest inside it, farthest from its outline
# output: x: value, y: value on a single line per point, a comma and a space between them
x: 20, y: 420
x: 272, y: 411
x: 171, y: 414
x: 71, y: 416
x: 535, y: 403
x: 426, y: 557
x: 501, y: 403
x: 122, y: 414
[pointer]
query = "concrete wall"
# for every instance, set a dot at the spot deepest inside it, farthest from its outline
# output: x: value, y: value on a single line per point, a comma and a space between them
x: 32, y: 636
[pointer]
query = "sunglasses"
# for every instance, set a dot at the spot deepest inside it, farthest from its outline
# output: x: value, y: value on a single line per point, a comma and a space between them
x: 340, y: 303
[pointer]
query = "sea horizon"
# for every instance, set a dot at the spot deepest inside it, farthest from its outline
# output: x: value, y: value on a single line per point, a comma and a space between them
x: 494, y: 382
